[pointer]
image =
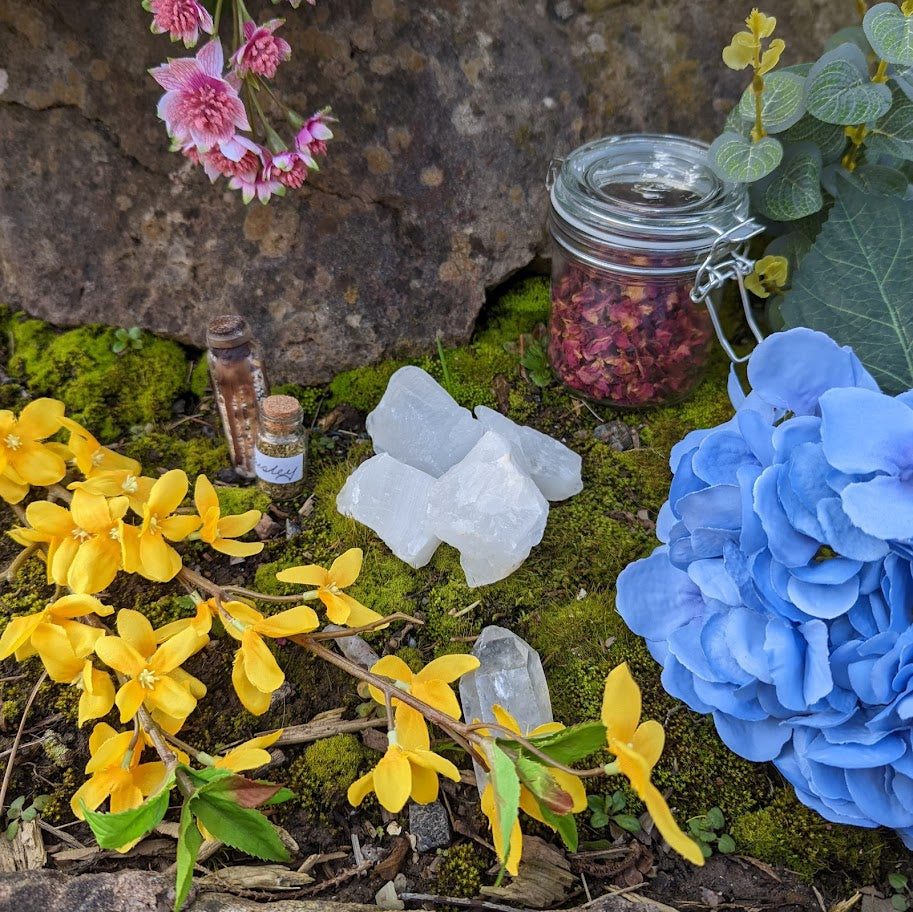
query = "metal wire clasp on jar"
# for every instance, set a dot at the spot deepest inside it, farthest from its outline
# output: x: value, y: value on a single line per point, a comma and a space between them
x: 643, y: 236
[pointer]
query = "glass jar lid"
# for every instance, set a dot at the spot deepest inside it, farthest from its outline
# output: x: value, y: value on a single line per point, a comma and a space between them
x: 644, y: 193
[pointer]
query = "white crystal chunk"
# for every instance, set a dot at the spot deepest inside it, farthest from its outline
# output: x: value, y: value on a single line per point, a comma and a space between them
x: 418, y: 422
x: 489, y: 509
x: 554, y: 467
x: 391, y: 498
x: 509, y: 674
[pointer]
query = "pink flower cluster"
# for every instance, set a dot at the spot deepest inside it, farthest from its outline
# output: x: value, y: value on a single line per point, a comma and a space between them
x: 624, y: 340
x: 204, y: 109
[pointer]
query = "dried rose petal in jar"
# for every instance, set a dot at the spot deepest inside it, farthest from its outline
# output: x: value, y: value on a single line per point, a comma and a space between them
x: 631, y: 219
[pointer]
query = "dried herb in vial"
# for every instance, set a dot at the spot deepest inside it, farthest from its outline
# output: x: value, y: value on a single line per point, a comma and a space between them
x: 281, y: 452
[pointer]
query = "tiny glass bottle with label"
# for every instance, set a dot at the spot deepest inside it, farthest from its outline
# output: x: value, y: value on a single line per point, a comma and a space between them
x: 281, y: 452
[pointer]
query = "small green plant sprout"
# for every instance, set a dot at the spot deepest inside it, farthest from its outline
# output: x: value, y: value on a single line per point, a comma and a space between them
x: 708, y: 831
x: 535, y: 360
x: 900, y: 891
x: 825, y: 149
x: 610, y: 808
x: 18, y: 812
x: 123, y: 338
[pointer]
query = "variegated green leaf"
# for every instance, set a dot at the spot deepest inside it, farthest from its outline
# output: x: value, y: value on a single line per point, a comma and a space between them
x: 829, y: 138
x: 782, y: 103
x: 794, y: 189
x: 735, y: 158
x: 838, y: 89
x: 890, y: 33
x: 893, y: 133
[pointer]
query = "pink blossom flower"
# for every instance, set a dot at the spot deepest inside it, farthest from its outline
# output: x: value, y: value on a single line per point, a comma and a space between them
x: 182, y: 19
x: 199, y: 104
x: 290, y: 168
x: 313, y: 135
x: 216, y: 165
x: 262, y: 51
x: 261, y: 183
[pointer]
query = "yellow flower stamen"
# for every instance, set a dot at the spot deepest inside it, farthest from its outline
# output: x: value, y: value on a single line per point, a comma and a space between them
x: 148, y: 678
x: 130, y: 484
x: 13, y: 442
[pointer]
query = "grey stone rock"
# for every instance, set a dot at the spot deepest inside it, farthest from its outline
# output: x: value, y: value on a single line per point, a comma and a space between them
x: 430, y: 826
x: 433, y: 191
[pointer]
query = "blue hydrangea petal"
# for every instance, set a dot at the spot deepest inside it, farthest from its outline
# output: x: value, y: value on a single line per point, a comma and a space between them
x: 757, y: 433
x: 712, y: 578
x: 736, y: 702
x: 817, y: 681
x: 719, y: 457
x: 845, y: 537
x: 665, y: 520
x: 719, y: 507
x: 751, y: 534
x: 678, y: 682
x: 902, y: 787
x: 786, y: 544
x: 823, y: 601
x: 882, y: 507
x: 744, y: 630
x: 716, y: 644
x: 785, y: 650
x: 654, y: 598
x: 871, y: 789
x: 794, y: 433
x: 711, y: 542
x: 863, y: 431
x: 734, y: 388
x: 792, y: 369
x: 685, y: 645
x: 831, y: 572
x: 755, y: 741
x: 853, y: 755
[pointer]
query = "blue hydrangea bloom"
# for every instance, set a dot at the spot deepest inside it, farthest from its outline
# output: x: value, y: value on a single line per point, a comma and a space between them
x: 781, y: 599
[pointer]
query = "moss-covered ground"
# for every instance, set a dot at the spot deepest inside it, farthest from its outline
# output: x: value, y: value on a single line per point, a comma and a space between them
x: 152, y: 403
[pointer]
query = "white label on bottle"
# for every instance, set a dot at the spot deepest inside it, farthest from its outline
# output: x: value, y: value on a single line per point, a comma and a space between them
x: 279, y: 469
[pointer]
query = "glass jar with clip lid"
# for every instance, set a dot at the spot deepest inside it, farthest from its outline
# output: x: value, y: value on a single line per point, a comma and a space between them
x: 644, y: 234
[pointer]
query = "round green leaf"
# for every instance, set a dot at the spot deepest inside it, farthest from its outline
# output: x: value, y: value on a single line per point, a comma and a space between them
x: 902, y: 78
x: 838, y: 89
x: 627, y: 822
x: 715, y: 818
x: 829, y: 138
x: 782, y: 103
x: 726, y: 844
x: 735, y: 158
x: 897, y: 881
x: 893, y: 133
x: 890, y: 33
x: 793, y: 190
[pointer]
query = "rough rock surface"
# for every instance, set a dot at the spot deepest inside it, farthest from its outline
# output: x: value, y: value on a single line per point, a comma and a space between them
x: 433, y: 191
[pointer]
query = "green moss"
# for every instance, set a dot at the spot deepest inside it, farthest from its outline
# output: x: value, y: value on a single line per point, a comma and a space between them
x: 460, y: 874
x: 199, y: 377
x: 196, y: 455
x: 28, y: 592
x: 106, y: 392
x: 239, y: 500
x: 310, y: 397
x: 789, y: 833
x: 323, y: 773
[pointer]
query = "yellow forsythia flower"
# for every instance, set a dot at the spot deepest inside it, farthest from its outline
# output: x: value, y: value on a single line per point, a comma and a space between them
x: 217, y: 530
x: 341, y: 608
x: 24, y: 459
x: 637, y: 746
x: 431, y: 685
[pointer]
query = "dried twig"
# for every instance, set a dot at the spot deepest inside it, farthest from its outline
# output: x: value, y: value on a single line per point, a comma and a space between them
x: 8, y: 772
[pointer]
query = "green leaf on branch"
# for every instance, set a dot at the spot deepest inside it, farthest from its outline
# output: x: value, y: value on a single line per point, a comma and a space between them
x: 505, y: 784
x: 855, y: 283
x: 573, y: 743
x: 735, y: 158
x: 782, y: 104
x: 543, y: 785
x: 890, y: 33
x: 564, y: 824
x: 838, y: 89
x: 115, y: 830
x: 893, y: 134
x: 189, y: 841
x: 793, y: 191
x: 241, y: 828
x: 829, y: 138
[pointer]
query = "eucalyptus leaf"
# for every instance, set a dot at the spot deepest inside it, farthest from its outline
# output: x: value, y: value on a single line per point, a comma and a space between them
x: 735, y: 158
x: 851, y: 34
x: 782, y: 103
x: 893, y: 133
x: 793, y: 191
x: 829, y: 138
x: 855, y: 283
x: 838, y: 89
x: 115, y: 830
x: 902, y: 77
x: 890, y: 33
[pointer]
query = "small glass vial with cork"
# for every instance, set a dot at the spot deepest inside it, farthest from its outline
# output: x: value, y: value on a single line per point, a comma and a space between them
x: 238, y: 384
x: 281, y: 451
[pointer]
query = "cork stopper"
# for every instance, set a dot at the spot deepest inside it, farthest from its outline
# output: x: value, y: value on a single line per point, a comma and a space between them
x: 227, y: 331
x: 279, y: 413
